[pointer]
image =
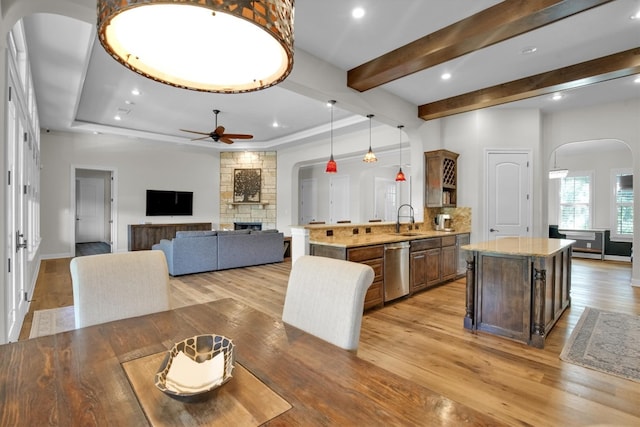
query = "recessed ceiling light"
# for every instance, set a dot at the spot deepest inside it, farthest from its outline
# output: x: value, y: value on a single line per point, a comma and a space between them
x: 135, y: 92
x: 528, y: 50
x: 445, y: 76
x: 557, y: 96
x: 636, y: 16
x: 275, y: 124
x: 357, y: 12
x: 637, y: 80
x: 117, y: 117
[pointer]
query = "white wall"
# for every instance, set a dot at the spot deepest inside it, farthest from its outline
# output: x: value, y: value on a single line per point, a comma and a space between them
x: 139, y: 165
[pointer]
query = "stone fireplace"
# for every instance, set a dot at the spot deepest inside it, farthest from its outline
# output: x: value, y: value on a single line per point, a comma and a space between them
x: 261, y: 211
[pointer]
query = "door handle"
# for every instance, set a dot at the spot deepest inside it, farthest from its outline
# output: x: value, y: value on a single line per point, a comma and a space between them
x: 21, y: 243
x: 493, y: 229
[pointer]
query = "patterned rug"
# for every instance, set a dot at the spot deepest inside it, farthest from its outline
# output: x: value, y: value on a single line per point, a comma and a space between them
x: 606, y: 341
x: 52, y: 321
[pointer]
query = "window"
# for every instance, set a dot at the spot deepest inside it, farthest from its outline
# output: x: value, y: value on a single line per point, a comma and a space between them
x: 622, y: 215
x: 575, y: 201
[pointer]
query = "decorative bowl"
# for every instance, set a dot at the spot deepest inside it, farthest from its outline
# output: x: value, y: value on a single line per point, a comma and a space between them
x: 195, y: 366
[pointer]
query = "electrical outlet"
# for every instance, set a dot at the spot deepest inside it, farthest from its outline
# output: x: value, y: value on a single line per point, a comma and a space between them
x: 588, y: 245
x: 329, y: 233
x: 356, y: 231
x: 367, y: 230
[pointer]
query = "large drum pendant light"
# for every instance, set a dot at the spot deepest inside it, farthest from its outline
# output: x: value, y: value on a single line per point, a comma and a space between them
x: 219, y: 46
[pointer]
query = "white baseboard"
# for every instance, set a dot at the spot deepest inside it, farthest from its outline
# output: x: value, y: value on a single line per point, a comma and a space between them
x: 55, y: 256
x: 617, y: 258
x: 585, y: 255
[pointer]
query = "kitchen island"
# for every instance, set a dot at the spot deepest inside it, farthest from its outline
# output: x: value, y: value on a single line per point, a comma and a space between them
x: 517, y: 287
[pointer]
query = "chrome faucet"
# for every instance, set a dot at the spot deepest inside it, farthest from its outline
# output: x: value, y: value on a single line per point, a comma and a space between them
x: 410, y: 216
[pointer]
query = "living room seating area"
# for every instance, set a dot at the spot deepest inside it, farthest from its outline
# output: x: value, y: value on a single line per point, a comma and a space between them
x: 199, y: 251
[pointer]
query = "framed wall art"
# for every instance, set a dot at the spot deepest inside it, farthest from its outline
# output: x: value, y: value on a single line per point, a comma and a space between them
x: 246, y: 185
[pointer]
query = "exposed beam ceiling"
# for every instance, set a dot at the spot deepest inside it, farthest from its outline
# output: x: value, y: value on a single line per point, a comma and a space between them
x: 614, y: 66
x: 495, y: 24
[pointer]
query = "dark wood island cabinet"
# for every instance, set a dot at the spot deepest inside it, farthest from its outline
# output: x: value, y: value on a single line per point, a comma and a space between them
x: 518, y: 287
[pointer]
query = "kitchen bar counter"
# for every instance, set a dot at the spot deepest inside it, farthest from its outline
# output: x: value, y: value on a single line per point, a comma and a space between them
x: 518, y: 287
x: 360, y: 240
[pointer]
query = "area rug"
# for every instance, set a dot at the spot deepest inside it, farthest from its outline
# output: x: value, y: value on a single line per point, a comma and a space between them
x: 52, y: 321
x: 606, y: 341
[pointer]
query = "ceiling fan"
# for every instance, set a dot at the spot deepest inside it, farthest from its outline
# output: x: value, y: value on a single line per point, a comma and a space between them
x: 218, y: 133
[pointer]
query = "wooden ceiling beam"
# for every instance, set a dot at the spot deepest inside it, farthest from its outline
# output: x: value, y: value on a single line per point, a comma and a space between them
x: 598, y: 70
x: 495, y: 24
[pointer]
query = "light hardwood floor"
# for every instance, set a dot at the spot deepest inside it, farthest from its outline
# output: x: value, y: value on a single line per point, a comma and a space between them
x: 422, y: 339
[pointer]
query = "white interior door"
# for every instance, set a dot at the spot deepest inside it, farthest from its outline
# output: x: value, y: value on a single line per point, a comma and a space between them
x: 14, y: 276
x: 339, y: 203
x: 308, y: 200
x: 90, y: 210
x: 508, y: 194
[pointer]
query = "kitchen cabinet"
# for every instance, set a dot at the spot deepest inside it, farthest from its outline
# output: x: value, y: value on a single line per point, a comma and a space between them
x: 441, y: 178
x: 372, y: 255
x: 433, y: 261
x: 425, y: 263
x: 461, y: 240
x: 418, y: 269
x: 449, y: 258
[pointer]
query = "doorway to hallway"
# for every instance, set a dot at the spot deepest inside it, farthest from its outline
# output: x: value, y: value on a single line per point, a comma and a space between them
x: 94, y: 199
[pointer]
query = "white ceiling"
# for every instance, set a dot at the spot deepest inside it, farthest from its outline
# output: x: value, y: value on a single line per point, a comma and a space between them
x: 79, y: 88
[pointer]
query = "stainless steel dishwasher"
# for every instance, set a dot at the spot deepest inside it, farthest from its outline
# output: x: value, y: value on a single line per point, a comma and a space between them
x: 396, y: 270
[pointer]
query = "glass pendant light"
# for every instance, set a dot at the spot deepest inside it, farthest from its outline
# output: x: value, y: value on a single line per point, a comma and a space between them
x: 400, y: 175
x: 556, y: 173
x: 332, y: 166
x: 370, y: 157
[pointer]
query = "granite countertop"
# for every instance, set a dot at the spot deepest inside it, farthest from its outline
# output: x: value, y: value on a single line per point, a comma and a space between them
x: 382, y: 238
x: 526, y: 246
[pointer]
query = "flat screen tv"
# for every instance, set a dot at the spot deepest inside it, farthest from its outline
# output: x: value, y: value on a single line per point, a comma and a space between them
x: 169, y: 203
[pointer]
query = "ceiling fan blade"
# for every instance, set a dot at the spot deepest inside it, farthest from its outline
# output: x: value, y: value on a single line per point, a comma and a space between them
x: 225, y: 139
x: 200, y: 139
x: 238, y: 136
x: 195, y: 131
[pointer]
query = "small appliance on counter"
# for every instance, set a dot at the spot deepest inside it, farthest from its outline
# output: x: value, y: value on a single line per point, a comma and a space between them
x: 443, y: 222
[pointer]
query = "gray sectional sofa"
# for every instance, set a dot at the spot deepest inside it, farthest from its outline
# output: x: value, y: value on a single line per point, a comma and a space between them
x: 199, y: 251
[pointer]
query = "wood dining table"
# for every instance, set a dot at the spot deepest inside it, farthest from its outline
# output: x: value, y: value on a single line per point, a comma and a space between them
x: 103, y: 375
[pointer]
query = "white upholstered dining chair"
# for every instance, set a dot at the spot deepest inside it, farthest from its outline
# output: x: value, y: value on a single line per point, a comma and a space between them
x: 325, y: 297
x: 118, y: 285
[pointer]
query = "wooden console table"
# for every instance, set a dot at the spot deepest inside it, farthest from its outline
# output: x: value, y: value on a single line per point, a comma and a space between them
x: 518, y: 287
x: 144, y: 236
